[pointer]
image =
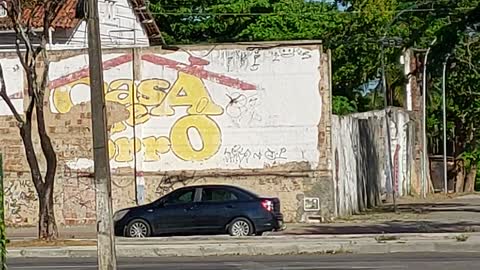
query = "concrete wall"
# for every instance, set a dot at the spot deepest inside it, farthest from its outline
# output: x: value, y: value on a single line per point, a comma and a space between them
x: 360, y: 165
x: 256, y: 116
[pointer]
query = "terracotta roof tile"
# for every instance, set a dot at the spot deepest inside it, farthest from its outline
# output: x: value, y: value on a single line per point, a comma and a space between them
x: 64, y: 19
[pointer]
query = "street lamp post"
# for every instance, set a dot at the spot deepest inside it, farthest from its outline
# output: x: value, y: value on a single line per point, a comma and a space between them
x: 445, y: 171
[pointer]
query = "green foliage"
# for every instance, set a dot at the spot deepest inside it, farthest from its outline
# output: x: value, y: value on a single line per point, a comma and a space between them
x: 477, y: 182
x: 194, y: 21
x: 352, y: 36
x: 342, y: 105
x: 356, y: 35
x: 463, y: 93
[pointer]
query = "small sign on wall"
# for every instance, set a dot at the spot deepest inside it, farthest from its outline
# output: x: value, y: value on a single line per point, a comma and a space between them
x: 3, y: 10
x: 311, y: 204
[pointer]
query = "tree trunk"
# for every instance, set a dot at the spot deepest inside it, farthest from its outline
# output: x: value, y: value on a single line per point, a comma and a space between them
x: 470, y: 179
x: 26, y: 134
x: 47, y: 227
x: 460, y: 177
x: 415, y: 68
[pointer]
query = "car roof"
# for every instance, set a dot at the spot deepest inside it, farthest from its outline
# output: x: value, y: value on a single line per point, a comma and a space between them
x: 219, y: 186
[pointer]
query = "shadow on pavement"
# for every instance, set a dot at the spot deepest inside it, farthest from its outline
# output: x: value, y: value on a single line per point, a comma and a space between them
x: 424, y: 208
x: 435, y: 217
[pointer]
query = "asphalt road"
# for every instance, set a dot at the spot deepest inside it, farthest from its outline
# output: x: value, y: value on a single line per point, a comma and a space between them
x: 411, y: 261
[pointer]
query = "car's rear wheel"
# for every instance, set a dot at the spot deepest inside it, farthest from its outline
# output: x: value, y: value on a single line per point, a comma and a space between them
x: 240, y: 227
x: 138, y: 229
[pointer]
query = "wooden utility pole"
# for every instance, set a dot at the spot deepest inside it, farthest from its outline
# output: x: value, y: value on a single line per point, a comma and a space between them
x: 105, y: 236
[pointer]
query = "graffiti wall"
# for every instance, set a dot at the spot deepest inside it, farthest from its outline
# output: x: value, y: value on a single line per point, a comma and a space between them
x: 257, y: 116
x: 191, y: 110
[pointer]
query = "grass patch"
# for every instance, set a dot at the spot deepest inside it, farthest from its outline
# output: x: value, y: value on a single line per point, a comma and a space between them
x: 384, y: 238
x: 462, y: 237
x: 55, y: 243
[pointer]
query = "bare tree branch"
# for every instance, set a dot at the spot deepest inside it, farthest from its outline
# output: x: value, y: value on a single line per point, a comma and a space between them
x: 14, y: 13
x: 16, y: 17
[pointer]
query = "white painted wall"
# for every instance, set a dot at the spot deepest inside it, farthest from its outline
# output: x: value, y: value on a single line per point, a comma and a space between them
x: 119, y: 27
x: 13, y: 75
x: 344, y: 139
x: 349, y: 160
x: 246, y: 109
x: 399, y: 120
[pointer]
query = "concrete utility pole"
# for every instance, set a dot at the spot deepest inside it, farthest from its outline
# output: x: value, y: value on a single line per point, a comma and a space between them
x: 387, y: 130
x: 424, y: 117
x: 105, y: 237
x: 407, y: 61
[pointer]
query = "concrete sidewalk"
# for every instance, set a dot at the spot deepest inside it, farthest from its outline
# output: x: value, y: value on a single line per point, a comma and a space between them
x: 434, y: 215
x: 267, y: 245
x: 447, y: 225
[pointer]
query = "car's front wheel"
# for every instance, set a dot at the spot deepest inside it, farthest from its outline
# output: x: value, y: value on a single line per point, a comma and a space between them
x: 138, y: 228
x: 240, y: 227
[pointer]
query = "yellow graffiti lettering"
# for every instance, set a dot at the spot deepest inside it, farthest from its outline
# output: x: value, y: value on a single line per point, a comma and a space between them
x: 190, y: 91
x: 118, y: 127
x: 138, y: 116
x: 193, y: 137
x: 206, y: 128
x: 61, y: 99
x: 125, y: 147
x: 121, y: 91
x: 154, y: 147
x: 152, y: 92
x: 124, y: 152
x: 112, y: 149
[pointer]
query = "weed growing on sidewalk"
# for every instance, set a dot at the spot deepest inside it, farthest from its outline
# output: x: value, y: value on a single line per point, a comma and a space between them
x: 384, y: 238
x: 462, y: 237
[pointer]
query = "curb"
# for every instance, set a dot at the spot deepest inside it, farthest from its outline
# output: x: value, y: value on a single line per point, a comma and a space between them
x: 251, y: 249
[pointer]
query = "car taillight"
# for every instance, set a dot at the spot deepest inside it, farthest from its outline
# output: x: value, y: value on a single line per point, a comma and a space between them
x: 268, y: 205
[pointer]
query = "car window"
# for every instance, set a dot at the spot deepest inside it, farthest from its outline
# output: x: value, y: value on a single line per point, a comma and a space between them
x: 182, y: 197
x: 218, y: 195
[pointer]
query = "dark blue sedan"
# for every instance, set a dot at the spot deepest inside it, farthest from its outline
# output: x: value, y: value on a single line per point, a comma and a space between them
x: 202, y: 209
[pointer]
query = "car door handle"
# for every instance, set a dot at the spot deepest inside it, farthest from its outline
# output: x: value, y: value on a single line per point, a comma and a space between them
x: 190, y: 208
x: 230, y: 206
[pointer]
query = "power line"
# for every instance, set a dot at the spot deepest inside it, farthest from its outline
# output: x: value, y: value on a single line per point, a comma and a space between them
x: 353, y: 12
